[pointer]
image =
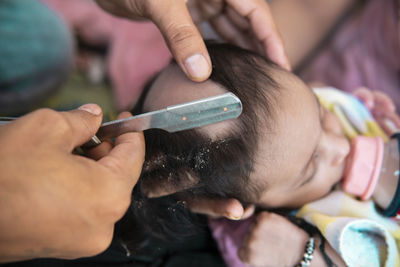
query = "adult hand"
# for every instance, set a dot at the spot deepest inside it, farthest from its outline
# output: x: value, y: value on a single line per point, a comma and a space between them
x: 247, y: 23
x: 273, y: 241
x: 55, y: 203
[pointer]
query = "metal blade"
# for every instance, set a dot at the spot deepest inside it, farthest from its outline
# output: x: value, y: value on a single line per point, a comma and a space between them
x: 177, y: 117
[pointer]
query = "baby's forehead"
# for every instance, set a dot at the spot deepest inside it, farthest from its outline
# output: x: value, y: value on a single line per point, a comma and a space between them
x: 172, y: 87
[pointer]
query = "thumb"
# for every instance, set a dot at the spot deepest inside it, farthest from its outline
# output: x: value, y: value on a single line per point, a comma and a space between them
x: 230, y: 208
x: 182, y: 37
x: 82, y: 124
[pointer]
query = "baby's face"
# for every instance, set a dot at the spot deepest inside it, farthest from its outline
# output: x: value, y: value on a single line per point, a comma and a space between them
x: 305, y: 156
x: 299, y: 158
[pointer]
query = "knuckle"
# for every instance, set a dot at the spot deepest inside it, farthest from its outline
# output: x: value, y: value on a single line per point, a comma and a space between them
x: 99, y: 242
x: 274, y: 217
x: 86, y: 126
x: 114, y: 165
x: 149, y: 7
x: 112, y: 208
x: 262, y: 219
x: 264, y: 216
x: 121, y: 208
x: 266, y: 219
x: 92, y: 242
x: 46, y: 115
x: 180, y: 34
x: 52, y: 118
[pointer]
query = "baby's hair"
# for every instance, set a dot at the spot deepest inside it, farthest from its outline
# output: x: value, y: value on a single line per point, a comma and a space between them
x: 221, y: 165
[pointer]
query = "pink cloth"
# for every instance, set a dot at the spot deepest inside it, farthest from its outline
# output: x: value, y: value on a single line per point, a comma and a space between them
x: 229, y: 237
x: 365, y: 52
x: 137, y: 49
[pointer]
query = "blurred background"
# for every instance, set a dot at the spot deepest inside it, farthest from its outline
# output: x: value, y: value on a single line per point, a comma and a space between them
x: 62, y: 54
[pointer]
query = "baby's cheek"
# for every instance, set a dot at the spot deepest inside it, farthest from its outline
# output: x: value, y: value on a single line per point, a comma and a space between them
x: 321, y: 188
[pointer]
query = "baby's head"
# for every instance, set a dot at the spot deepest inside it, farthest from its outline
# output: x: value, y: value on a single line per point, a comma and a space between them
x: 283, y: 151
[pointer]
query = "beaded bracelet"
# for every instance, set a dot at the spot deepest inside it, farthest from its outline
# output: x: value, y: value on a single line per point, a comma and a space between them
x: 312, y: 231
x: 308, y: 253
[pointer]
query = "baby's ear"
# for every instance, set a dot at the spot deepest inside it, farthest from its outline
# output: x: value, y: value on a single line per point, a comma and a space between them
x: 173, y: 182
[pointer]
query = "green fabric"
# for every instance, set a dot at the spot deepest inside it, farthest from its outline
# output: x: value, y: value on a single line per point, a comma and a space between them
x: 35, y: 54
x: 33, y: 40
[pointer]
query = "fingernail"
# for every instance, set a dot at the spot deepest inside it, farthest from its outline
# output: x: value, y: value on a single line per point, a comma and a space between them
x: 197, y: 67
x: 233, y: 217
x: 91, y: 108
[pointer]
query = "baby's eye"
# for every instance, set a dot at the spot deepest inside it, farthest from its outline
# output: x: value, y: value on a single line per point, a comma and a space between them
x: 315, y: 166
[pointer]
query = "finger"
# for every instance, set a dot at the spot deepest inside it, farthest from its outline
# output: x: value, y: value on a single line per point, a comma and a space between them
x: 237, y: 20
x: 244, y: 26
x: 365, y: 96
x: 204, y: 10
x: 229, y: 208
x: 383, y: 102
x: 182, y: 36
x: 230, y: 33
x: 195, y: 11
x: 99, y: 151
x: 259, y: 15
x: 248, y: 211
x: 127, y: 156
x: 80, y: 125
x: 106, y: 146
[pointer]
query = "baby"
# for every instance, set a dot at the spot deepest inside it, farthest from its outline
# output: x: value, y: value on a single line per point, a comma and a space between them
x: 284, y: 151
x: 276, y: 154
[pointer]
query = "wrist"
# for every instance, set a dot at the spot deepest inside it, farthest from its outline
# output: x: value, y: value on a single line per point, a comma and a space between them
x: 311, y: 254
x: 299, y: 240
